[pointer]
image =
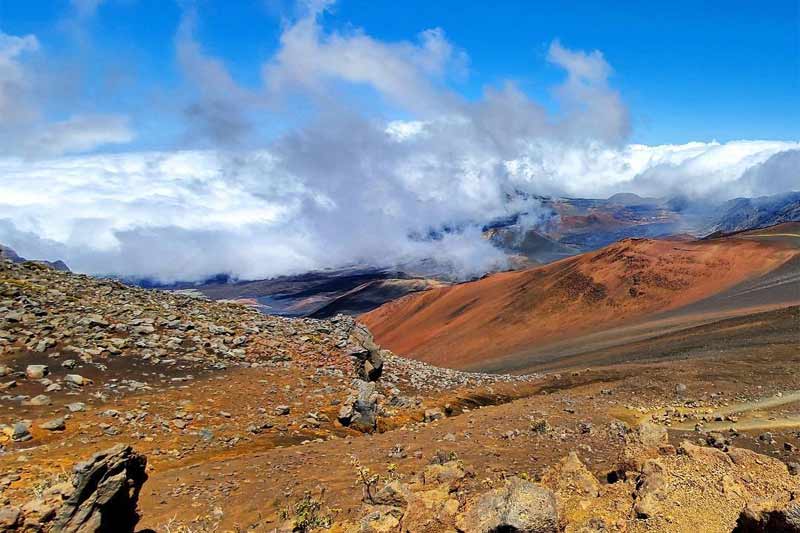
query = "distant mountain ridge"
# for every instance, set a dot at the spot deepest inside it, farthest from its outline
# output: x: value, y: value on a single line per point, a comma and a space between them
x: 577, y: 225
x: 742, y: 214
x: 317, y: 294
x: 547, y: 230
x: 9, y: 254
x: 561, y: 228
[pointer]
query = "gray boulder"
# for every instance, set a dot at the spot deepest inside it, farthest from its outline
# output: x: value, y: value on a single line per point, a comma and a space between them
x: 39, y: 399
x: 360, y: 410
x: 21, y: 432
x: 36, y: 371
x: 56, y: 424
x: 75, y: 379
x: 106, y: 493
x: 755, y: 518
x: 519, y: 506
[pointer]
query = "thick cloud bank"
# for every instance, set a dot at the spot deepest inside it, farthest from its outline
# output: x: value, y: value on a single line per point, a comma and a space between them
x: 339, y: 186
x: 188, y: 215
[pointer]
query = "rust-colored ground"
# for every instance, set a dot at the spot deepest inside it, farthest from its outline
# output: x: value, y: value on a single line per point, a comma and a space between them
x: 472, y: 324
x: 220, y: 458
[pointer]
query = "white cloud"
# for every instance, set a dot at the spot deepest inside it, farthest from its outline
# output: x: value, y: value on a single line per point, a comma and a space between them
x: 779, y: 173
x: 346, y: 185
x: 186, y: 215
x: 79, y: 133
x: 216, y: 105
x: 715, y: 170
x: 405, y: 73
x: 24, y: 128
x: 594, y: 110
x: 15, y: 83
x: 709, y: 170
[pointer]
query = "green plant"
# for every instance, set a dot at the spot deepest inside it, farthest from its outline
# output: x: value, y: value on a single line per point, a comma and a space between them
x: 365, y: 478
x: 307, y: 514
x: 392, y: 472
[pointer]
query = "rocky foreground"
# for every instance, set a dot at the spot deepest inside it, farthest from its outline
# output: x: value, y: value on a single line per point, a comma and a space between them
x: 68, y: 339
x: 124, y: 408
x: 660, y: 488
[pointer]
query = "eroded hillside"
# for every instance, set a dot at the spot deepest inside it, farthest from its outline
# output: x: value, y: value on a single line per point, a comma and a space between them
x: 471, y: 324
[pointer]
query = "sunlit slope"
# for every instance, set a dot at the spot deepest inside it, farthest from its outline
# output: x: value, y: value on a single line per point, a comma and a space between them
x: 473, y: 323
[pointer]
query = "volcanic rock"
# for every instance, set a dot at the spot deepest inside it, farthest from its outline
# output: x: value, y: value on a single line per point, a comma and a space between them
x: 360, y: 410
x: 21, y: 432
x: 520, y: 505
x: 769, y: 517
x: 105, y: 493
x: 36, y: 371
x: 56, y: 424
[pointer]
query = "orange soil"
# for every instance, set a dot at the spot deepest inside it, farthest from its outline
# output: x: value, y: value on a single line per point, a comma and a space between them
x: 469, y: 323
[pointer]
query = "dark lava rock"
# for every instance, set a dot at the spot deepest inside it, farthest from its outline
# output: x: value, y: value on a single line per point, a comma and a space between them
x: 106, y: 493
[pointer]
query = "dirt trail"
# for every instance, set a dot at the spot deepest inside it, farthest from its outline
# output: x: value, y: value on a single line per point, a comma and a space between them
x: 751, y: 415
x: 762, y: 404
x: 775, y: 235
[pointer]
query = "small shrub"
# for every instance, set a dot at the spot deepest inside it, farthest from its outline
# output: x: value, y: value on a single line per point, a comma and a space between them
x: 365, y: 478
x: 307, y: 514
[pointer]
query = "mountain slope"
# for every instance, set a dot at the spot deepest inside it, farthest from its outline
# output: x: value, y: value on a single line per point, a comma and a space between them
x: 8, y: 254
x: 750, y: 213
x: 317, y: 294
x: 373, y: 294
x: 473, y: 323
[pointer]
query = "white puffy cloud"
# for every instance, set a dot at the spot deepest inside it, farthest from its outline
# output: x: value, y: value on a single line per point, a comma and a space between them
x: 779, y: 173
x: 15, y: 83
x: 342, y: 185
x: 713, y: 171
x: 189, y: 215
x: 24, y: 127
x: 407, y: 74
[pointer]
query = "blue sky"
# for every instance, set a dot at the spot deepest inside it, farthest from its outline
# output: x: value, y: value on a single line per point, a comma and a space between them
x: 722, y: 70
x: 180, y: 139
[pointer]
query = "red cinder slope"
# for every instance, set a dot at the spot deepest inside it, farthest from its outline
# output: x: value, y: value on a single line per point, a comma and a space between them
x: 471, y: 323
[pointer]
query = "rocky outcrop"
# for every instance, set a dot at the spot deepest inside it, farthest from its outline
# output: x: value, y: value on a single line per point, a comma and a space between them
x: 435, y: 501
x: 676, y: 490
x: 661, y: 488
x: 363, y: 349
x: 769, y: 517
x: 102, y: 497
x: 519, y: 505
x: 689, y: 488
x: 360, y: 410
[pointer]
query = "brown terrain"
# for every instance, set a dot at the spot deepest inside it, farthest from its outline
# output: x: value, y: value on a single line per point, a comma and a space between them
x: 668, y: 401
x: 505, y: 315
